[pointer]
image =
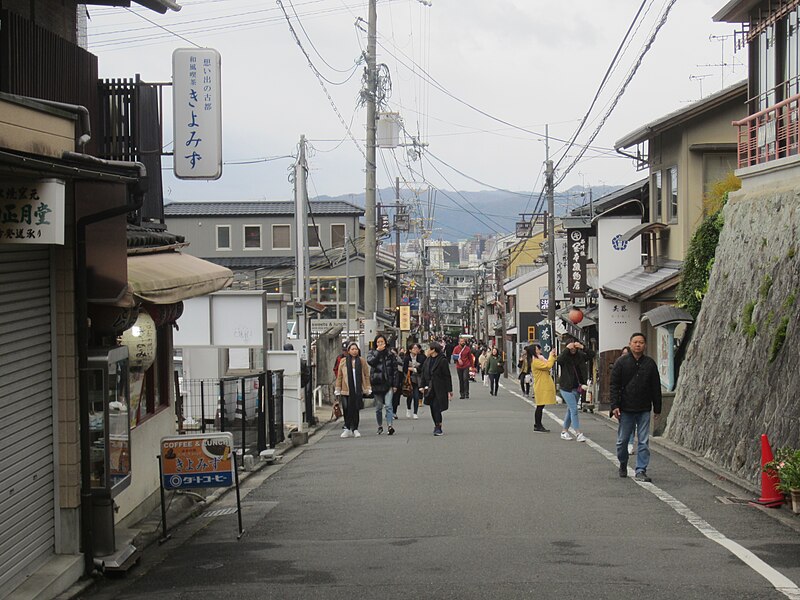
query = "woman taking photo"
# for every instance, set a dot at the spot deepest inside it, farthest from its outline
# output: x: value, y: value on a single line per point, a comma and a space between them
x: 493, y: 370
x: 544, y: 388
x: 383, y: 378
x: 438, y: 385
x: 352, y: 382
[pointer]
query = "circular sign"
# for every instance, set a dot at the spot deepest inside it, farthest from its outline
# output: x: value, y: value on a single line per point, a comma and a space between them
x: 618, y: 243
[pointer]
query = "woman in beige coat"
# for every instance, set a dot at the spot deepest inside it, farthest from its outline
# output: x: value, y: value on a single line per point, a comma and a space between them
x: 544, y: 388
x: 352, y: 383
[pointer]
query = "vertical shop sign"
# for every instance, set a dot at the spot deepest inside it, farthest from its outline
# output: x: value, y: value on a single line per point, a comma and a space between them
x: 197, y: 113
x: 577, y: 241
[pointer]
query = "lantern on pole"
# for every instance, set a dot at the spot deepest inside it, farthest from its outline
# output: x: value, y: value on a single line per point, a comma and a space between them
x: 575, y: 315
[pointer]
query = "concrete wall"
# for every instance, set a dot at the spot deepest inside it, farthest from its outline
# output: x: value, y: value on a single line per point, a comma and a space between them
x: 729, y: 393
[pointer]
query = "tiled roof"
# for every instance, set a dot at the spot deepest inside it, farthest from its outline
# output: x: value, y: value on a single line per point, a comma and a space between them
x: 264, y: 262
x: 150, y: 237
x: 638, y: 284
x: 257, y: 208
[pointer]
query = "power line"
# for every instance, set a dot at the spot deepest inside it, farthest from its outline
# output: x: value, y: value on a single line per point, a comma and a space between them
x: 164, y: 28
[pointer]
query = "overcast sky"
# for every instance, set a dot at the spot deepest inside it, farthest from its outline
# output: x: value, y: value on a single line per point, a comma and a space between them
x: 525, y: 62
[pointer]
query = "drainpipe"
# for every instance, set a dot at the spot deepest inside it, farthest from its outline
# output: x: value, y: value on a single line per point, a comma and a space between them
x: 82, y: 334
x: 81, y: 111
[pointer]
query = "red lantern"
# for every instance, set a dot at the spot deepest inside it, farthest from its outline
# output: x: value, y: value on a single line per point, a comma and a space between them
x: 575, y: 315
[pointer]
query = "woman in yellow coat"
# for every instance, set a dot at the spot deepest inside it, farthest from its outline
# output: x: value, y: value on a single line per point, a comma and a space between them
x: 544, y: 388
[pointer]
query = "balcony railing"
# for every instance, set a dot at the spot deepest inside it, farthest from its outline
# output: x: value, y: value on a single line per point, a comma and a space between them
x: 770, y: 134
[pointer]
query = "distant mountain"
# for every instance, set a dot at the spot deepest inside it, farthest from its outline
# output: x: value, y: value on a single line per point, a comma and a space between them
x: 459, y: 215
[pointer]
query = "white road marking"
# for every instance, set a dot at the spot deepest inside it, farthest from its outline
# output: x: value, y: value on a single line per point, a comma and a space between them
x: 775, y: 578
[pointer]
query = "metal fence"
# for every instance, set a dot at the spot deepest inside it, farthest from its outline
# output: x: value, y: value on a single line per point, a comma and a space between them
x: 250, y: 407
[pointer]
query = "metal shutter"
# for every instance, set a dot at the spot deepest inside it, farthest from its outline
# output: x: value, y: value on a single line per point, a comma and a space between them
x: 27, y: 479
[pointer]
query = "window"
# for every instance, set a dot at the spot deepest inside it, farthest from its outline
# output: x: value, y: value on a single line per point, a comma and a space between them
x: 791, y: 60
x: 338, y: 233
x: 313, y: 236
x: 765, y: 45
x: 281, y: 237
x: 223, y: 237
x: 655, y: 217
x: 252, y: 237
x: 672, y: 206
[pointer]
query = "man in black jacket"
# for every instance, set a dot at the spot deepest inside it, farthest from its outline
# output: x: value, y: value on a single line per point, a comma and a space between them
x: 635, y: 391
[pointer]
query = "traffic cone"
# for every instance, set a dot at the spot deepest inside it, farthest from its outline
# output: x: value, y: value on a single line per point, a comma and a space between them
x: 770, y: 496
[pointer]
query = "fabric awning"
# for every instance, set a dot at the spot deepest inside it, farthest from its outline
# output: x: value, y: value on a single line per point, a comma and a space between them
x: 169, y: 277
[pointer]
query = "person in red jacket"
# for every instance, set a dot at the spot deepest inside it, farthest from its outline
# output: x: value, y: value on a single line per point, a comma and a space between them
x: 464, y: 362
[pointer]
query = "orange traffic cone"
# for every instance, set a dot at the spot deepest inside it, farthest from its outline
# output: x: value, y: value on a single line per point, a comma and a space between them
x: 770, y: 496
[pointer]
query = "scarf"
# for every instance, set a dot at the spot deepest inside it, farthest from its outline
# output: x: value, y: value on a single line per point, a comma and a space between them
x: 354, y: 386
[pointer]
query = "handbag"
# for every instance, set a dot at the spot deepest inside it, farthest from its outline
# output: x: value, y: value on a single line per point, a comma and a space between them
x: 500, y: 368
x: 408, y: 388
x: 336, y: 411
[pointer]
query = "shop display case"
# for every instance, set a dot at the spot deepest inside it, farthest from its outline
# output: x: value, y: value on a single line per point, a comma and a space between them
x: 109, y: 421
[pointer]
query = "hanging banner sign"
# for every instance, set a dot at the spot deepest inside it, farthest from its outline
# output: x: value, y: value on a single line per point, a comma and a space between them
x: 32, y: 212
x: 197, y: 461
x: 545, y: 336
x: 577, y: 247
x: 197, y: 113
x: 405, y: 318
x: 560, y: 246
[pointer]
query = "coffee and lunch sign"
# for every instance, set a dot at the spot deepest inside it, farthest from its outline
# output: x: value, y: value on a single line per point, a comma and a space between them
x: 32, y: 212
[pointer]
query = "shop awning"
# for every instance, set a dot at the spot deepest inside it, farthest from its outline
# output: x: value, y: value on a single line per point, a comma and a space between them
x: 662, y: 316
x: 512, y: 331
x: 169, y: 277
x: 640, y: 284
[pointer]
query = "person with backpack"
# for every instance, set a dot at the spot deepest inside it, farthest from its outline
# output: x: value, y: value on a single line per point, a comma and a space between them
x: 464, y: 362
x: 383, y: 378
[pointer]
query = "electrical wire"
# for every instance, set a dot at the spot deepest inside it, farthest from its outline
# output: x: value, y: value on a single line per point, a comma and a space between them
x: 187, y: 40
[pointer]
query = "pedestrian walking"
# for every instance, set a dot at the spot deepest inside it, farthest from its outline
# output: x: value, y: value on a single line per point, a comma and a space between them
x: 482, y: 358
x: 631, y: 448
x: 352, y: 383
x: 494, y: 368
x: 635, y: 391
x: 412, y: 372
x: 524, y: 365
x: 464, y: 362
x: 544, y: 388
x: 383, y: 381
x: 437, y: 385
x: 573, y: 362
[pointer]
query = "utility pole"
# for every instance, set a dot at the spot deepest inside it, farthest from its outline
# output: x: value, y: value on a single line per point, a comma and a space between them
x: 301, y: 243
x: 500, y: 269
x: 551, y: 245
x: 370, y: 241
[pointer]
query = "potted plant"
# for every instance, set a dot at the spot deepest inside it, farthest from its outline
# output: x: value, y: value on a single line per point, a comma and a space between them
x: 786, y: 467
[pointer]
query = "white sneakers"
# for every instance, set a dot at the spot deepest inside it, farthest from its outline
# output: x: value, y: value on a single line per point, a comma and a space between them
x: 415, y: 416
x: 356, y: 434
x: 347, y: 433
x: 565, y: 435
x: 579, y: 437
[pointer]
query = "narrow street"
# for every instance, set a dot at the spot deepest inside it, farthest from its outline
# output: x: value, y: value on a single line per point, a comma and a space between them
x: 489, y: 510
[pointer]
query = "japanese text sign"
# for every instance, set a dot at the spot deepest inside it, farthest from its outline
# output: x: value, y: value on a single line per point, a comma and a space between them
x: 197, y: 461
x: 32, y: 212
x: 577, y: 248
x: 197, y: 113
x: 405, y: 318
x: 545, y: 336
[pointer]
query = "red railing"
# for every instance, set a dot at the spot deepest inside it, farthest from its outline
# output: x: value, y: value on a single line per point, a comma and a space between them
x: 770, y: 134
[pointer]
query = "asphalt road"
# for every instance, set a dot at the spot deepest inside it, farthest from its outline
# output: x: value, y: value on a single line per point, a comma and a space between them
x: 489, y: 510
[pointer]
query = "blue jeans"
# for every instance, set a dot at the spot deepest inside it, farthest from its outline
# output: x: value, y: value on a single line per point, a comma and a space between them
x: 384, y: 399
x: 571, y: 398
x: 640, y: 422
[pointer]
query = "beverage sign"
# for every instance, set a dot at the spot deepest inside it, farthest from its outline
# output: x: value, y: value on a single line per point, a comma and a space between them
x: 577, y: 247
x: 545, y: 336
x: 32, y: 212
x: 197, y: 461
x: 197, y: 113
